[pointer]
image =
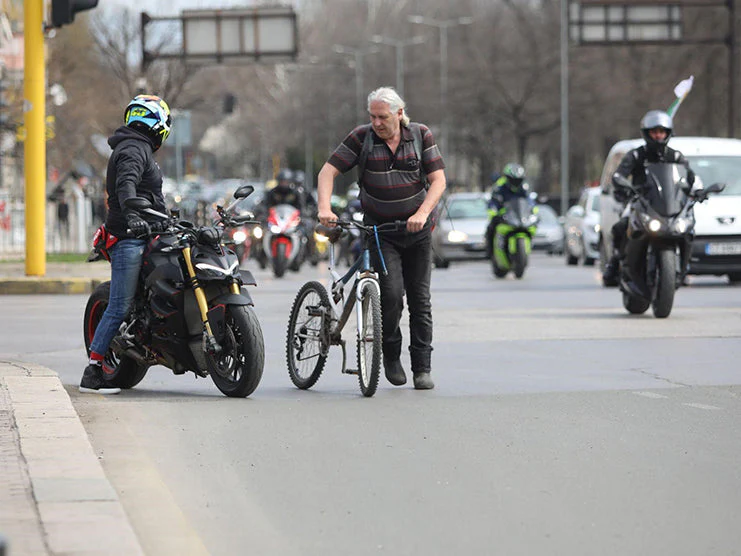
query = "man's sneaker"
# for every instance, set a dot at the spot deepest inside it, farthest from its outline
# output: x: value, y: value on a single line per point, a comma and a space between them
x: 423, y: 381
x: 93, y: 382
x: 395, y: 372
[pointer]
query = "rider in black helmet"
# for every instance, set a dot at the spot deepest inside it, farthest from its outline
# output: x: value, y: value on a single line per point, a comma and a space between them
x: 656, y: 129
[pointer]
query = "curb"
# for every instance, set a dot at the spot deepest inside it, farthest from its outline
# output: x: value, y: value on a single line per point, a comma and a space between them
x: 30, y: 286
x: 57, y: 472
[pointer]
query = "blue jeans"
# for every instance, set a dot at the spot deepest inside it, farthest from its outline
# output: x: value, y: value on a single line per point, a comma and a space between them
x: 126, y: 262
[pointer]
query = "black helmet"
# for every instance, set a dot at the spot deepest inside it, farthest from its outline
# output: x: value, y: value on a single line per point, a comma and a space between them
x: 284, y: 175
x: 652, y: 120
x: 515, y: 175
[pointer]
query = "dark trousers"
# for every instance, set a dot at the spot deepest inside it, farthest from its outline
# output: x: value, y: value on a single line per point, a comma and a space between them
x: 619, y: 231
x: 409, y: 263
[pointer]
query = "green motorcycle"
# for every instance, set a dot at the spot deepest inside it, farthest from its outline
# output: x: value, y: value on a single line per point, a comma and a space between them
x: 513, y: 236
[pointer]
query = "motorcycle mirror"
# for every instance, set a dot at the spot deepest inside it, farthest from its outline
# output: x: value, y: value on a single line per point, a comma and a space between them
x: 137, y: 203
x: 715, y: 187
x: 243, y: 191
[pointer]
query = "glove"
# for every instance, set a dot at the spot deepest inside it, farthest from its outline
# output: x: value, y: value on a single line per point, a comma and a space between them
x: 690, y: 177
x: 160, y: 226
x: 137, y: 225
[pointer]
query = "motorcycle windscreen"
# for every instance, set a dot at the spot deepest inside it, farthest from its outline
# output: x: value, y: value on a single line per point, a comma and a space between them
x: 518, y: 210
x: 663, y: 191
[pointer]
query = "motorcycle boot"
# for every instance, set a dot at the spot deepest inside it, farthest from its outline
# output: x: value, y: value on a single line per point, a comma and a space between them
x: 612, y: 269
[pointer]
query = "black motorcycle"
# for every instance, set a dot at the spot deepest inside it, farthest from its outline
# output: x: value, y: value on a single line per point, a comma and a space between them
x: 191, y: 312
x: 659, y: 237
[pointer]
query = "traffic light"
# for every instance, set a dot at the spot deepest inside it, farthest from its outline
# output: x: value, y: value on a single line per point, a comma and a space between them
x: 63, y: 11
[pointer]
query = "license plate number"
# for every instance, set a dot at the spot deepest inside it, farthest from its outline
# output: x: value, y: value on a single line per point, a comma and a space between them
x: 732, y: 248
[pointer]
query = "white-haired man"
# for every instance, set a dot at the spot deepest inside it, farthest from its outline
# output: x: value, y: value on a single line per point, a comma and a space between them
x: 402, y: 178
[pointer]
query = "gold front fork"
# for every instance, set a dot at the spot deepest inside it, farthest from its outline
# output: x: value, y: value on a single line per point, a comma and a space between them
x: 198, y: 290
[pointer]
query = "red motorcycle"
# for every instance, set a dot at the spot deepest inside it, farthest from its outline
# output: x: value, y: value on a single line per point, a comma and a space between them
x: 283, y: 240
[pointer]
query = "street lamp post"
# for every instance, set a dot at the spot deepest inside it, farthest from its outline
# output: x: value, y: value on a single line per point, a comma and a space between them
x: 443, y: 27
x: 359, y: 54
x: 399, y: 45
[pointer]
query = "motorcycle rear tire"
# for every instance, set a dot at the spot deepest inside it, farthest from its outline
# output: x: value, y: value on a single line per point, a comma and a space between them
x: 666, y: 273
x: 121, y: 372
x: 245, y: 349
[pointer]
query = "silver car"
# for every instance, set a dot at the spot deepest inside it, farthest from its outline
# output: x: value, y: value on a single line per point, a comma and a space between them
x: 461, y: 228
x: 582, y: 225
x: 549, y: 233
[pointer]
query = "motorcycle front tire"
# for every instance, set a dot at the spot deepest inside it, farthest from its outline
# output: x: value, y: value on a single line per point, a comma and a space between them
x: 243, y: 354
x: 519, y: 258
x: 666, y: 272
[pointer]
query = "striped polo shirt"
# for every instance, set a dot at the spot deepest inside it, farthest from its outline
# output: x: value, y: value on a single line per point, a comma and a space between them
x: 391, y: 187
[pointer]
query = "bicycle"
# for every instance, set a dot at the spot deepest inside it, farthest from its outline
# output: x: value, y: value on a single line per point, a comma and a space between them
x: 319, y: 314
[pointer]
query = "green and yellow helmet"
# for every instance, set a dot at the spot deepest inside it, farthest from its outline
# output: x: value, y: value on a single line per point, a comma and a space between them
x: 150, y: 115
x: 515, y: 174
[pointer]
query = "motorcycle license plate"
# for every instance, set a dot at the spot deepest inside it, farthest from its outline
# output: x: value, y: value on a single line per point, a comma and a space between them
x: 730, y: 248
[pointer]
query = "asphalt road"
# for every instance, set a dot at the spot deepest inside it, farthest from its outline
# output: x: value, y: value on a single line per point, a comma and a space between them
x: 559, y: 425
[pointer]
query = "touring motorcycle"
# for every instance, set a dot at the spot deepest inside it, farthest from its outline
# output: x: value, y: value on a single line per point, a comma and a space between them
x: 659, y: 237
x: 513, y: 237
x: 191, y: 312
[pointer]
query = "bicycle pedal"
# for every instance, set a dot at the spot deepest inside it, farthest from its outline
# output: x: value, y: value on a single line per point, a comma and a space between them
x: 351, y: 372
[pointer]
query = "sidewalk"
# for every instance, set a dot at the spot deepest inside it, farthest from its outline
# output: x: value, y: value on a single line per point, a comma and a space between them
x: 54, y: 495
x: 59, y: 278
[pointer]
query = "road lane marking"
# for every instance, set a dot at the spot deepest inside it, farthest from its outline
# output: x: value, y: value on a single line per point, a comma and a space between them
x: 703, y: 406
x: 653, y: 395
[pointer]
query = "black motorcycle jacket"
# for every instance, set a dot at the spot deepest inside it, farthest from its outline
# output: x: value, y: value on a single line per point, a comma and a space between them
x: 634, y: 163
x: 132, y: 172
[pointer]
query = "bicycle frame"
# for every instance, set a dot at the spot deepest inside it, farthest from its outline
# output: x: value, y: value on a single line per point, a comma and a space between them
x: 363, y: 272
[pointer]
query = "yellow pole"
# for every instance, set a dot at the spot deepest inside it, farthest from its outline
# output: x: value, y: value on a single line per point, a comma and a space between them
x: 34, y: 163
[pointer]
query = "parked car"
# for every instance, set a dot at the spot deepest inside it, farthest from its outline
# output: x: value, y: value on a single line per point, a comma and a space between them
x: 461, y: 227
x: 582, y: 228
x: 716, y: 249
x: 549, y: 235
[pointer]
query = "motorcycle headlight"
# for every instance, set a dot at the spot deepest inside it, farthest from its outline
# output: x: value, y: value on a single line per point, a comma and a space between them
x: 357, y: 217
x: 654, y: 225
x: 456, y: 236
x: 319, y: 238
x: 274, y: 229
x: 239, y: 236
x: 681, y: 225
x: 257, y: 232
x: 532, y: 219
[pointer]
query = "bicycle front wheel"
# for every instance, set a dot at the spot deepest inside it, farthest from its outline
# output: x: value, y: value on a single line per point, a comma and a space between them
x: 369, y: 338
x: 307, y: 340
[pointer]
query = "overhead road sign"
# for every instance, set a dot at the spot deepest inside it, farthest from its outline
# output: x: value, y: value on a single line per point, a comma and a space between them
x: 219, y: 36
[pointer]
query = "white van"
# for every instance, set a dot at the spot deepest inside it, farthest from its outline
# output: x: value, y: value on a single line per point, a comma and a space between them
x: 717, y: 245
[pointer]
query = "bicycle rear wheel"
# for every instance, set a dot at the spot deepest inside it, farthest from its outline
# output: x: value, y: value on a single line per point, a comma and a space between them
x: 307, y: 341
x: 369, y: 338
